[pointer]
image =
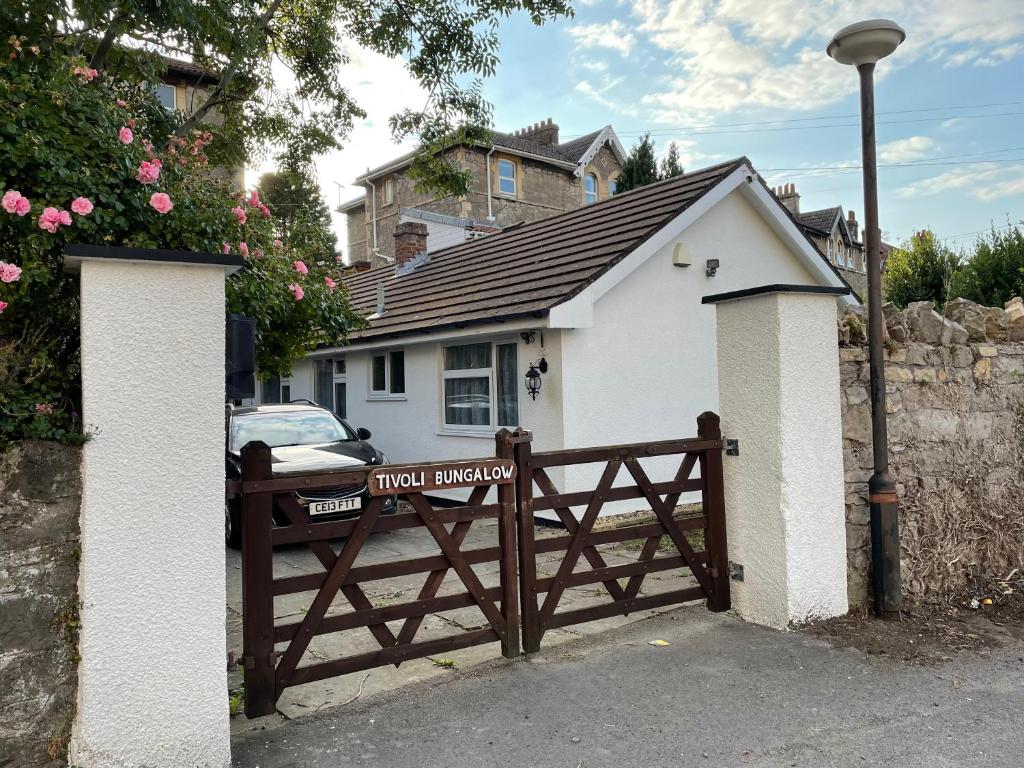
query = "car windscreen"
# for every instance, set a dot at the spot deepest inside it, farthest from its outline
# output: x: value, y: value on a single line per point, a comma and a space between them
x: 287, y: 428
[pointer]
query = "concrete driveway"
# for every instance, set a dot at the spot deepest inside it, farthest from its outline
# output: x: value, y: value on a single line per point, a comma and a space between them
x: 722, y: 693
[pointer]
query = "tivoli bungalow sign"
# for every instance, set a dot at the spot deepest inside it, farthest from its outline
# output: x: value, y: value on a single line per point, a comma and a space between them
x: 418, y: 478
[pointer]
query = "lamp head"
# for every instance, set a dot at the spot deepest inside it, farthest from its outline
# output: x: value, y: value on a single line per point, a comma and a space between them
x: 866, y: 41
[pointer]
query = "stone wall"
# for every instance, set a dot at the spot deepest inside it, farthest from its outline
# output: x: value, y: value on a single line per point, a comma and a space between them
x: 955, y: 391
x: 40, y: 492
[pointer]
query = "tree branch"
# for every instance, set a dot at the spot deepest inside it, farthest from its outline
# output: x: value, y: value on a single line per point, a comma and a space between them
x: 217, y: 96
x: 99, y: 56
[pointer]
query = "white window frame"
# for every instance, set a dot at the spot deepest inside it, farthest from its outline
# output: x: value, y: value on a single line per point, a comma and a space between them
x: 613, y: 185
x: 389, y: 191
x: 587, y: 194
x: 513, y: 178
x: 386, y: 393
x: 491, y: 373
x: 174, y: 95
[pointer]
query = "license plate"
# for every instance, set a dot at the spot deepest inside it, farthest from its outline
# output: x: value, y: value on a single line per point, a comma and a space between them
x: 335, y: 505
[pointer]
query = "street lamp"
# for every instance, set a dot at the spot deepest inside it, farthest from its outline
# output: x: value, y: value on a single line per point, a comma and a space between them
x: 862, y: 45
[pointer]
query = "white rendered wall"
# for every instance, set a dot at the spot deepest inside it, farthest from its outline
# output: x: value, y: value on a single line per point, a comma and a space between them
x: 648, y: 366
x: 779, y: 394
x: 152, y: 687
x: 409, y: 428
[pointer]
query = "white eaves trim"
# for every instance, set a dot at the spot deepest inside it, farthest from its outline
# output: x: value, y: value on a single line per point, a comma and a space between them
x: 607, y: 135
x: 483, y: 329
x: 578, y: 312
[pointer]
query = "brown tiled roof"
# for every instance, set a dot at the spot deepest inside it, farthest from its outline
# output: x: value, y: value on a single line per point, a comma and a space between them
x: 569, y: 152
x: 189, y: 70
x: 820, y: 221
x: 525, y: 271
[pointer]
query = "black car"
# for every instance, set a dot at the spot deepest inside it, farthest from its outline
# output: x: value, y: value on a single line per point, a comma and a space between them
x: 303, y: 438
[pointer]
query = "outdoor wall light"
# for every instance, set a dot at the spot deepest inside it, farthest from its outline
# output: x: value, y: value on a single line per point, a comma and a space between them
x: 711, y: 267
x: 533, y: 377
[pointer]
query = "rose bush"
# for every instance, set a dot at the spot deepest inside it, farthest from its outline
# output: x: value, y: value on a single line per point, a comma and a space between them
x: 89, y: 159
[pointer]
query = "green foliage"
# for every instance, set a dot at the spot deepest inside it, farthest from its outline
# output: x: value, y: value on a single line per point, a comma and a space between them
x: 995, y: 273
x: 921, y: 270
x: 301, y: 216
x: 447, y: 45
x: 640, y: 167
x: 59, y: 140
x: 670, y: 165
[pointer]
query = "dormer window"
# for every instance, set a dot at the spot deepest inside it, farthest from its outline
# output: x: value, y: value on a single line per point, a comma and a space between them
x: 507, y: 177
x: 589, y: 189
x: 389, y: 192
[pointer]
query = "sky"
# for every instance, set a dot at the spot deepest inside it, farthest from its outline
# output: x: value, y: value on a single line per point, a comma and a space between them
x: 724, y: 78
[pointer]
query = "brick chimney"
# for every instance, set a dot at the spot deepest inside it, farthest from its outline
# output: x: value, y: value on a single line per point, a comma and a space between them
x: 410, y: 241
x: 851, y: 223
x: 545, y: 132
x: 789, y: 197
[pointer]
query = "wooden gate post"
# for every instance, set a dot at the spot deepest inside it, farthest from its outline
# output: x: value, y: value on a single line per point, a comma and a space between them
x: 504, y: 449
x: 522, y: 453
x: 257, y: 584
x: 713, y: 502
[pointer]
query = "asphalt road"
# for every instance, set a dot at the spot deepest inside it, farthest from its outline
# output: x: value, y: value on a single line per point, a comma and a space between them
x: 722, y: 693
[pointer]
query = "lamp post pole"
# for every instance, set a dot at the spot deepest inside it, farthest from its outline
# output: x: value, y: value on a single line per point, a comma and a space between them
x: 885, y: 523
x: 862, y: 45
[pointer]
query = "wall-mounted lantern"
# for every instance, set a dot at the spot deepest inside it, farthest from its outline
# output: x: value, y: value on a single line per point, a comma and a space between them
x: 533, y: 381
x: 711, y: 267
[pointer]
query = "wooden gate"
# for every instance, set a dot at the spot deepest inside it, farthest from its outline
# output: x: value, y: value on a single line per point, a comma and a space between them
x: 269, y: 671
x: 709, y: 565
x: 274, y: 649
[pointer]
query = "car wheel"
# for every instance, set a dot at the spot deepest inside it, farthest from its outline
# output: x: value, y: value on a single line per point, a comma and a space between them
x: 232, y: 527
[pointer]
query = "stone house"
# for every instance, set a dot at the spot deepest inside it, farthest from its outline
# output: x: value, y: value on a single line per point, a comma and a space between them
x: 836, y: 235
x: 184, y: 87
x: 523, y: 176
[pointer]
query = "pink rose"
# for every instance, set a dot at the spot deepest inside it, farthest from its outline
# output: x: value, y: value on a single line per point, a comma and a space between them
x: 3, y: 306
x: 299, y: 267
x: 64, y: 218
x: 239, y: 214
x: 331, y: 285
x: 265, y: 211
x: 258, y: 253
x: 15, y: 202
x: 122, y: 103
x: 44, y: 408
x: 277, y: 245
x: 85, y: 73
x: 243, y: 248
x: 50, y: 219
x: 125, y: 135
x: 339, y: 258
x: 225, y: 248
x: 161, y: 201
x: 148, y: 172
x: 254, y: 199
x: 9, y: 273
x: 297, y: 291
x: 82, y: 206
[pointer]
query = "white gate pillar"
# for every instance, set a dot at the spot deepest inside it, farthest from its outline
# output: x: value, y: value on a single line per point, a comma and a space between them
x: 152, y: 676
x: 778, y: 382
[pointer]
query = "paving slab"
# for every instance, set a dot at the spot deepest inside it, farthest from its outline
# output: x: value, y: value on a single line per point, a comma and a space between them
x: 723, y: 693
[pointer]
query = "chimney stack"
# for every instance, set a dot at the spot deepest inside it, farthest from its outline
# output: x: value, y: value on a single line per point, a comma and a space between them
x: 410, y: 241
x: 544, y: 132
x: 851, y: 224
x: 789, y: 197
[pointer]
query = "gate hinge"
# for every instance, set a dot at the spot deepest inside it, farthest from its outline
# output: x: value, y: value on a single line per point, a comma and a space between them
x: 249, y: 662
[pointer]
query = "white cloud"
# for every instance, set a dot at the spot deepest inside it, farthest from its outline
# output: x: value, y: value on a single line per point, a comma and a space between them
x: 983, y: 181
x: 598, y: 94
x: 906, y: 150
x: 614, y: 35
x: 771, y: 53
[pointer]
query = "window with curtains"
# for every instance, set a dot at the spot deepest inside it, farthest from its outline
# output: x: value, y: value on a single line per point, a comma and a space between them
x: 480, y: 386
x: 387, y: 374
